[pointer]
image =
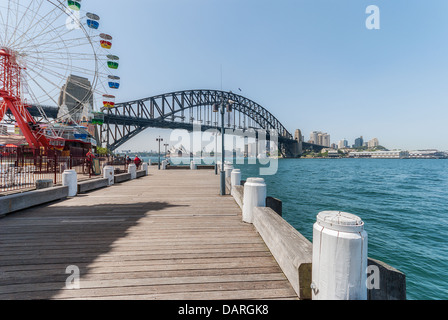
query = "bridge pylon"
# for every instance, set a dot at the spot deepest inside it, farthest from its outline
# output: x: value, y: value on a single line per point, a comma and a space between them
x: 294, y: 148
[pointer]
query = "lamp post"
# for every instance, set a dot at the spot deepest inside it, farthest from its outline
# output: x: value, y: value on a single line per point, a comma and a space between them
x: 222, y: 107
x: 216, y: 153
x: 159, y: 140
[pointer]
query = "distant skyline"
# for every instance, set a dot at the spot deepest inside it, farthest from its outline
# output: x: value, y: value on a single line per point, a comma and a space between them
x: 314, y: 65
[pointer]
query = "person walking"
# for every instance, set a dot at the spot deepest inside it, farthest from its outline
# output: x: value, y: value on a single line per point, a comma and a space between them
x: 137, y: 161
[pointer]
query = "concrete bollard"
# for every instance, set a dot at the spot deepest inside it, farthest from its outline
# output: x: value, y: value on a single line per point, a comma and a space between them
x: 109, y: 173
x: 132, y: 169
x: 254, y: 196
x: 235, y: 179
x: 193, y: 165
x: 43, y: 184
x: 70, y: 180
x: 164, y: 164
x: 339, y: 267
x: 145, y: 167
x: 228, y: 169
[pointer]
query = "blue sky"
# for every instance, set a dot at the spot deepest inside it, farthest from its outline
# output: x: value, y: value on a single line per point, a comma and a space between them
x: 312, y: 63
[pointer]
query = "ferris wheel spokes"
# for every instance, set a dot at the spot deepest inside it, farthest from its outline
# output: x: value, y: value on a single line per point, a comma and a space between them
x: 63, y: 57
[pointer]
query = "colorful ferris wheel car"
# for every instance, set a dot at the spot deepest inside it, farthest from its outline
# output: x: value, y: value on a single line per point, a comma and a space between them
x: 114, y: 82
x: 74, y: 5
x: 108, y: 101
x: 93, y: 21
x: 112, y: 61
x: 98, y: 118
x: 57, y: 143
x: 106, y: 41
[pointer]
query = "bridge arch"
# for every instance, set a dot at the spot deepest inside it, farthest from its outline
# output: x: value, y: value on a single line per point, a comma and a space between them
x: 179, y: 109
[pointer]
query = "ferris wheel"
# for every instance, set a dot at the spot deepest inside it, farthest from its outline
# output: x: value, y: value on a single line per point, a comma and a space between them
x: 54, y: 53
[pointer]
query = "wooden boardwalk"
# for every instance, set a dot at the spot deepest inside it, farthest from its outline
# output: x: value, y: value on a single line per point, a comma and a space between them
x: 167, y: 236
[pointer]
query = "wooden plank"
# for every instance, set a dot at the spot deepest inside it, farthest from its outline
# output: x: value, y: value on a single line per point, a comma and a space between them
x: 165, y: 236
x: 24, y: 277
x: 200, y: 291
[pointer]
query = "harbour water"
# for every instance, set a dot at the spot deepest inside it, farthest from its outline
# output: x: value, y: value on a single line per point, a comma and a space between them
x: 404, y: 204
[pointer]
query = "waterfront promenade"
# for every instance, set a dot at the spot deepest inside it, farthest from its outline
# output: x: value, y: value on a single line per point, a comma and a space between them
x: 165, y: 236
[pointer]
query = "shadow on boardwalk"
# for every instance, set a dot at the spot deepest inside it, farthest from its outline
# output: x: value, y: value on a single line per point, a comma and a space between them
x: 37, y: 245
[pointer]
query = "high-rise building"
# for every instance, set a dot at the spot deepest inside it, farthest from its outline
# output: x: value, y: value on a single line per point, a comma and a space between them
x: 342, y: 144
x: 320, y: 138
x: 76, y: 99
x: 359, y: 142
x: 326, y: 140
x: 373, y: 143
x: 314, y: 137
x: 76, y: 104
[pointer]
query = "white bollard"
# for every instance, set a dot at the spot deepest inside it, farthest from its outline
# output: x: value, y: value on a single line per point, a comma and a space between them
x: 145, y: 167
x: 193, y: 165
x: 228, y: 169
x: 339, y: 267
x: 164, y: 164
x: 235, y: 179
x: 70, y: 180
x: 254, y: 196
x: 109, y: 173
x: 132, y: 169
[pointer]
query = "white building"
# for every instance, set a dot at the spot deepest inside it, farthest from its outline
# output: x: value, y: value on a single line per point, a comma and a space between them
x: 320, y: 138
x: 373, y: 143
x: 342, y: 144
x: 426, y: 154
x: 314, y: 137
x: 325, y: 140
x: 396, y: 154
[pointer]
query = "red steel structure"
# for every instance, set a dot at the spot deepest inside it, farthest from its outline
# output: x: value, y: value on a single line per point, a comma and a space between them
x: 11, y: 94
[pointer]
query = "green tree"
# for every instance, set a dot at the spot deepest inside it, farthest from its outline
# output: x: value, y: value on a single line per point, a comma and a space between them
x: 102, y: 151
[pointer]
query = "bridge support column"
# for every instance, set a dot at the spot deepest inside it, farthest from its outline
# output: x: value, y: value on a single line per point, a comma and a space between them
x: 296, y: 149
x: 293, y: 149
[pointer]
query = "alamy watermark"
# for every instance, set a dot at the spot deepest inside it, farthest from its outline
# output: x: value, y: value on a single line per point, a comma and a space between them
x: 373, y: 278
x: 73, y: 280
x: 73, y: 20
x: 373, y: 20
x: 256, y: 147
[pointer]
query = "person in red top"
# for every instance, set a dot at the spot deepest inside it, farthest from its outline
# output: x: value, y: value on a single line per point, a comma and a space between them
x: 137, y: 162
x: 90, y: 155
x: 89, y: 160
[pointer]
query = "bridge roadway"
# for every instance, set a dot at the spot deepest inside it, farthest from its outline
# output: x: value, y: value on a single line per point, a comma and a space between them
x: 167, y: 236
x: 135, y: 125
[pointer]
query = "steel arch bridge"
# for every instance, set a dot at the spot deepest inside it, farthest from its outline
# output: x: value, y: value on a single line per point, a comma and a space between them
x: 180, y: 110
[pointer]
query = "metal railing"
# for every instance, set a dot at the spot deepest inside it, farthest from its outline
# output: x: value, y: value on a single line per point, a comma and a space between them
x: 22, y: 167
